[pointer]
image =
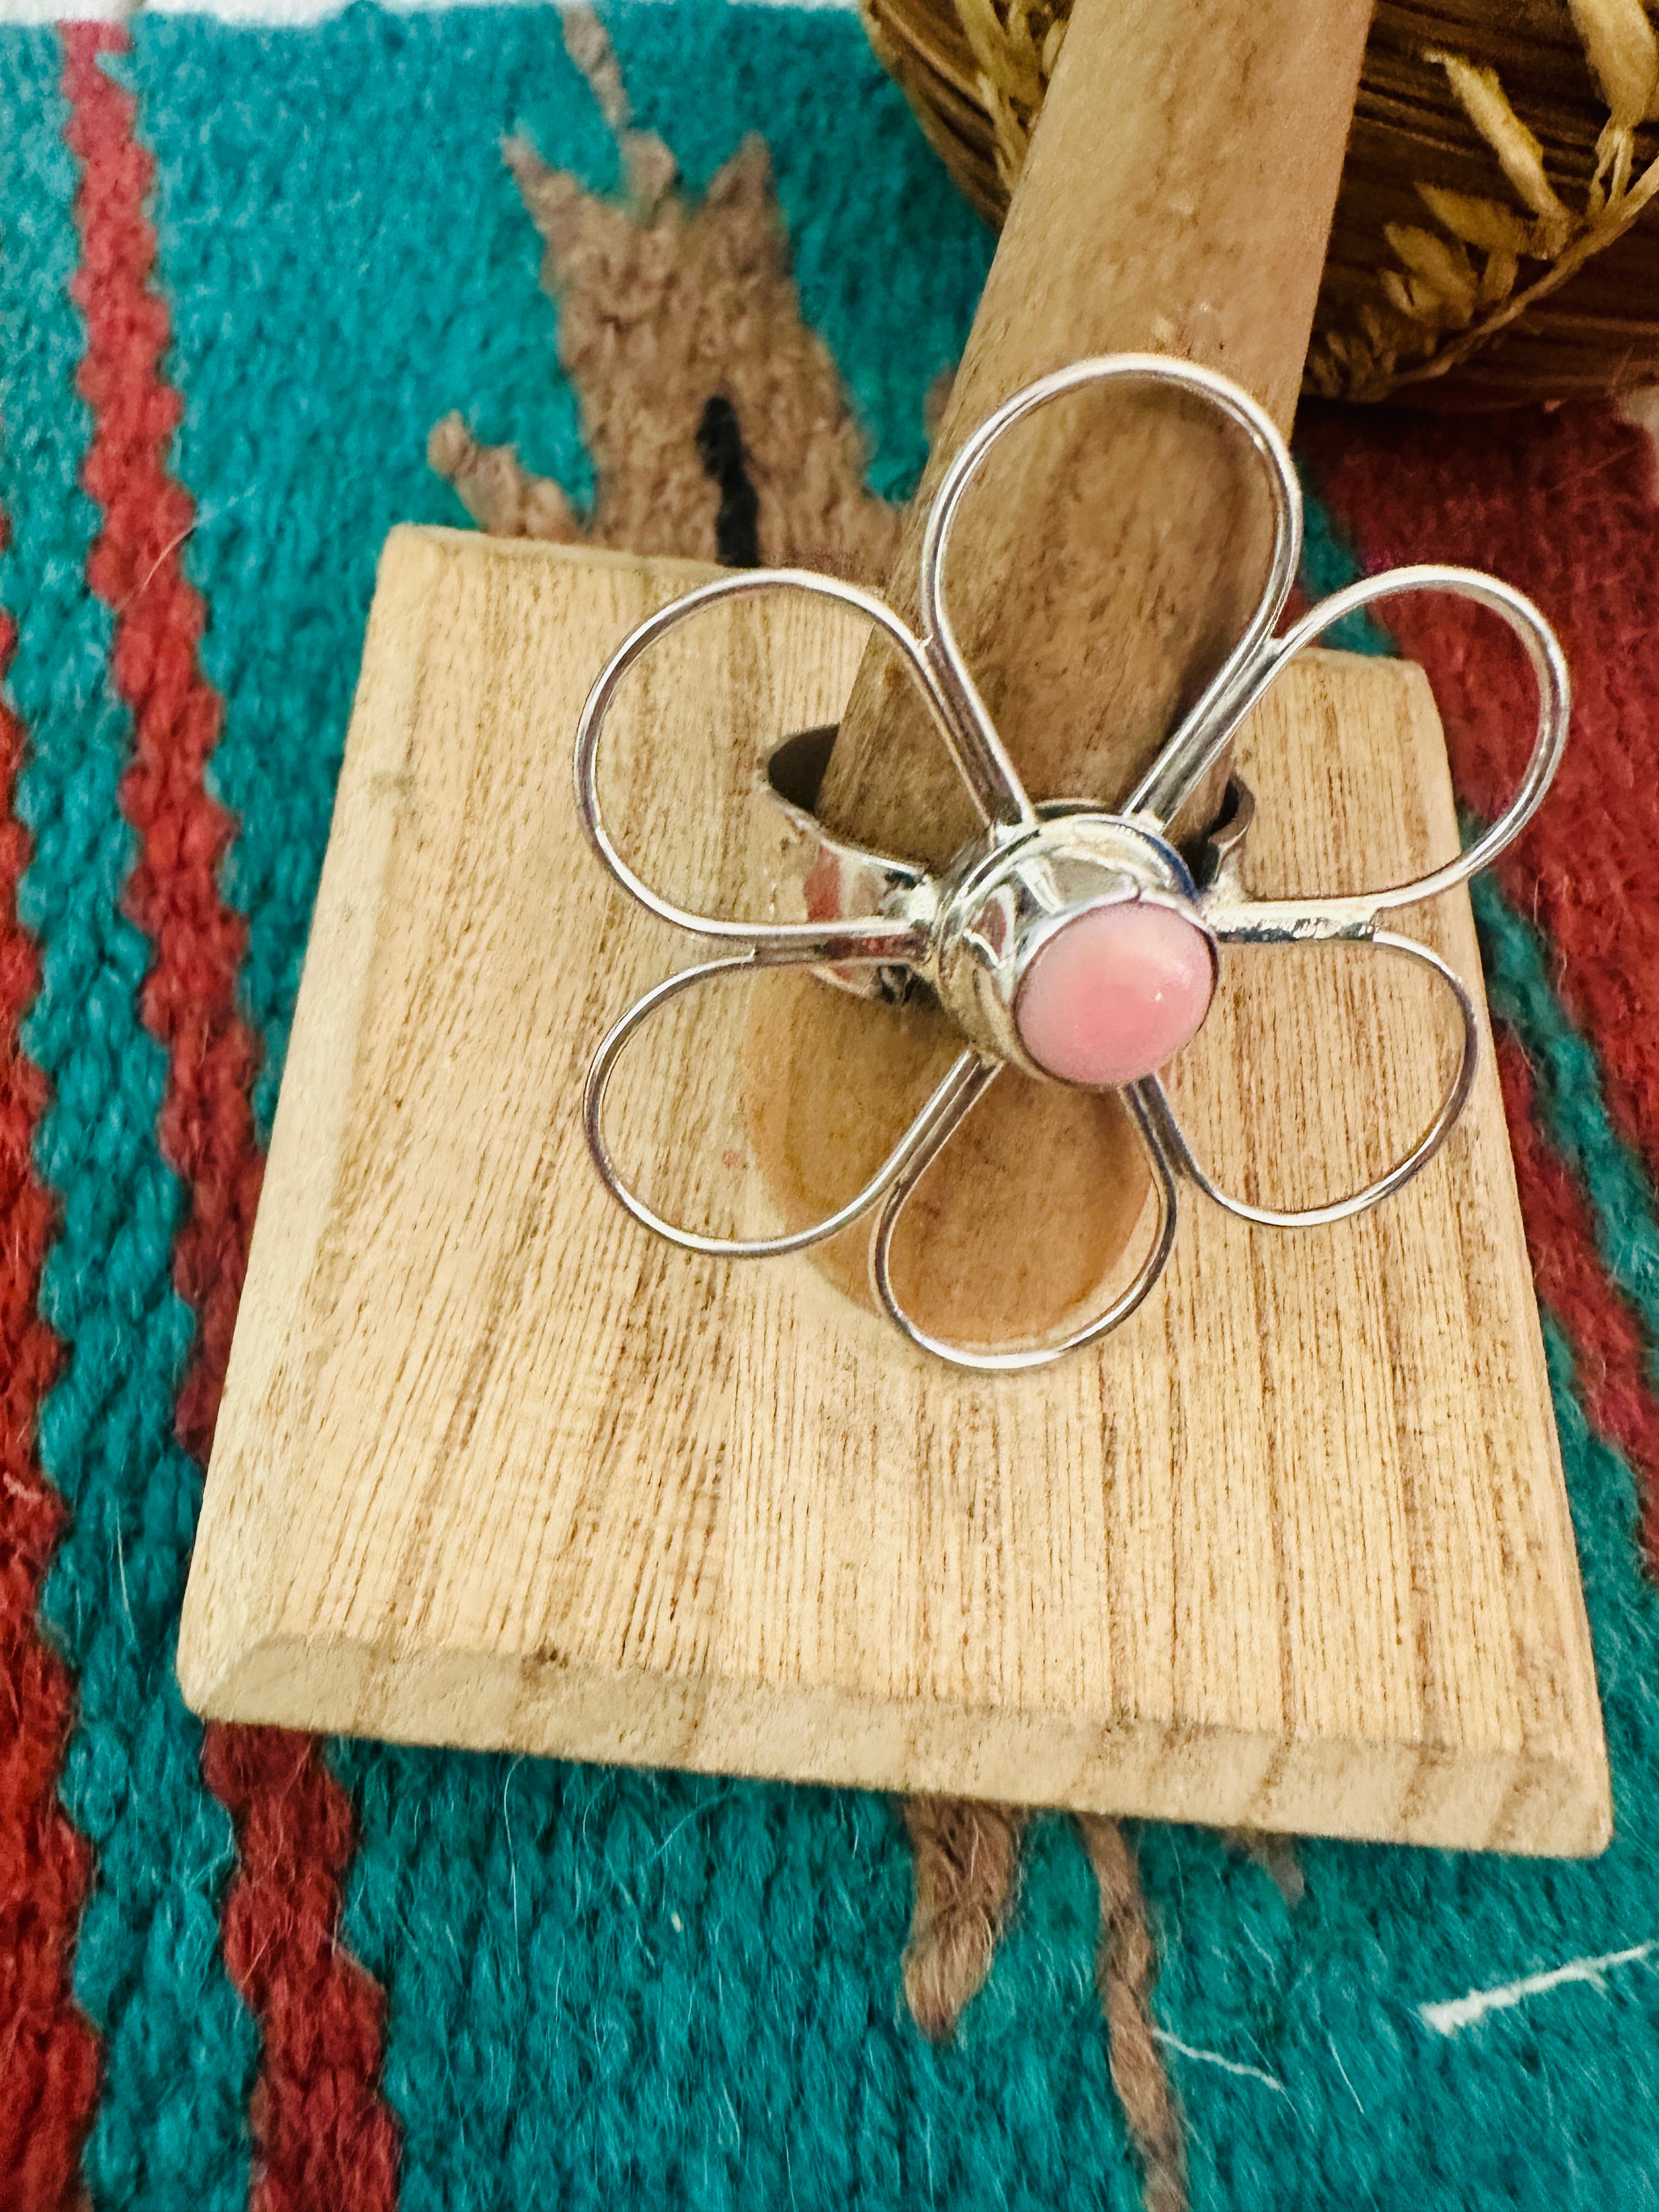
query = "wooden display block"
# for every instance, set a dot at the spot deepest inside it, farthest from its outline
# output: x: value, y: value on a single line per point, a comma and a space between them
x: 1291, y: 1550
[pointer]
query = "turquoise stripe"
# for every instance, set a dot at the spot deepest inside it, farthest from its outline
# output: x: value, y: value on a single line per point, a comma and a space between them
x: 1328, y: 566
x: 359, y: 228
x: 178, y: 2044
x: 610, y: 1989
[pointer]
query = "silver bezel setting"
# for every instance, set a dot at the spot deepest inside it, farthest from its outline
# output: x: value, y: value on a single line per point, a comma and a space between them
x: 1008, y: 894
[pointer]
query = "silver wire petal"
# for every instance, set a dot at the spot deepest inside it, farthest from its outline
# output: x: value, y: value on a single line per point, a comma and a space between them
x: 1549, y: 666
x: 969, y: 1078
x: 603, y: 1067
x: 981, y: 756
x: 1440, y: 1126
x: 895, y: 935
x: 1299, y: 919
x: 1236, y: 918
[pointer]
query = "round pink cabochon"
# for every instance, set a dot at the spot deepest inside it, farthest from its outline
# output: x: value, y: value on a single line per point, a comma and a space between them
x: 1115, y: 994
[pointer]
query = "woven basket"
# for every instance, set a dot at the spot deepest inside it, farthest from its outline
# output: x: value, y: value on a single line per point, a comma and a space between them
x: 1490, y: 244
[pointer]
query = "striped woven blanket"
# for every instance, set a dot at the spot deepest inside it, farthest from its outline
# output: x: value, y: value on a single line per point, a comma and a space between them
x: 263, y: 294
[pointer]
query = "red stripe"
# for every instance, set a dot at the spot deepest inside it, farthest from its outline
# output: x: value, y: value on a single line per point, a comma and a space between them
x: 1563, y: 504
x: 324, y: 2134
x: 48, y: 2052
x: 1609, y: 1345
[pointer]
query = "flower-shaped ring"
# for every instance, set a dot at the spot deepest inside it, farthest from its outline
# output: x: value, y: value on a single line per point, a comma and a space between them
x: 1066, y: 940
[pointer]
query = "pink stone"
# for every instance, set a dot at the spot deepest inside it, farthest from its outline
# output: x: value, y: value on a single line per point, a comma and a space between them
x: 1113, y: 995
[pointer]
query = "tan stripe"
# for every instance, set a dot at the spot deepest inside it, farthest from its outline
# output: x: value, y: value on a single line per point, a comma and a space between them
x: 664, y: 302
x: 967, y: 1863
x: 1125, y: 1966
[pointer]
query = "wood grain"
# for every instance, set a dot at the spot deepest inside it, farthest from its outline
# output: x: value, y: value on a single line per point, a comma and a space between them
x: 496, y: 1467
x: 1177, y: 201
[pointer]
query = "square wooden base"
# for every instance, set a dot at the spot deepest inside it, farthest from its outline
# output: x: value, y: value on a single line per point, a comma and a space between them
x: 495, y: 1467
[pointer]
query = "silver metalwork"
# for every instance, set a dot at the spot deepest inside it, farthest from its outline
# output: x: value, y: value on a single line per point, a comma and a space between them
x: 1004, y: 897
x: 970, y: 933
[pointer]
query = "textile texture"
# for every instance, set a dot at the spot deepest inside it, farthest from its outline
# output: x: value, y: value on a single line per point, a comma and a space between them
x: 684, y: 281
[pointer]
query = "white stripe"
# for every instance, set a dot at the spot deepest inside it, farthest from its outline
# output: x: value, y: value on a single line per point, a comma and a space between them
x: 1453, y: 2013
x: 293, y: 14
x: 60, y: 11
x: 1215, y: 2058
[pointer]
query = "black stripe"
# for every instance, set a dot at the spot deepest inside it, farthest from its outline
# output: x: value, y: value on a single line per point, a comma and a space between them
x: 719, y: 446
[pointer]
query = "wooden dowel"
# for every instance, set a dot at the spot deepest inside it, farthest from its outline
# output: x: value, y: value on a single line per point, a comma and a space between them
x: 1177, y: 199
